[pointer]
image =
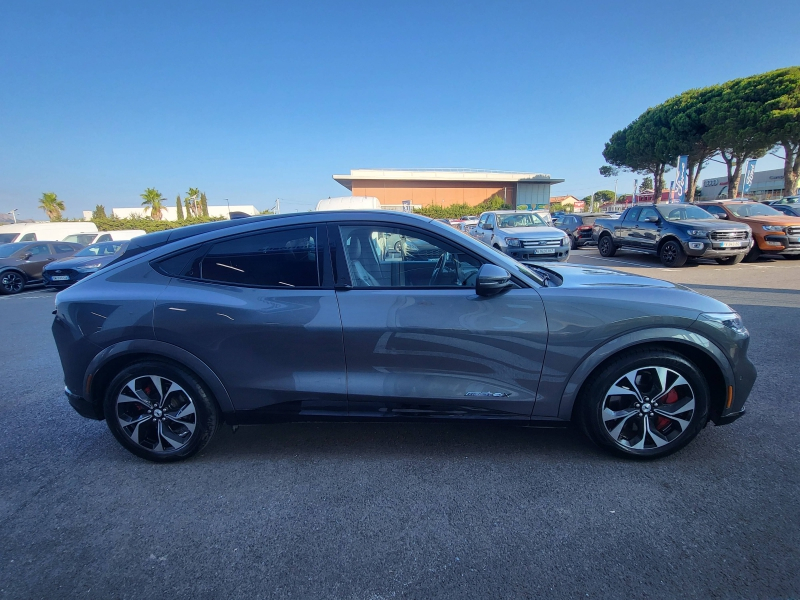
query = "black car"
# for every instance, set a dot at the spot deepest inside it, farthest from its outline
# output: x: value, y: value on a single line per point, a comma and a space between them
x: 63, y: 273
x: 793, y: 210
x: 674, y: 233
x: 318, y: 316
x: 21, y: 263
x: 578, y: 227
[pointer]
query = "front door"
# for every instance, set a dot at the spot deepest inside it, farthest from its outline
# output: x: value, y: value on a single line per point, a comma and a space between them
x: 261, y: 309
x: 647, y: 232
x: 419, y: 341
x: 37, y: 257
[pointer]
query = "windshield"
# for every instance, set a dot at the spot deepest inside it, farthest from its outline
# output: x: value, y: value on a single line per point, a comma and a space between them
x: 104, y: 249
x: 8, y: 249
x: 683, y: 213
x: 753, y: 210
x: 790, y: 200
x: 7, y: 238
x: 520, y: 220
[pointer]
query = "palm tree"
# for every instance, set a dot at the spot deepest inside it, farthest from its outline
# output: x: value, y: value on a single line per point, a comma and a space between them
x: 51, y: 205
x: 153, y: 198
x: 194, y: 197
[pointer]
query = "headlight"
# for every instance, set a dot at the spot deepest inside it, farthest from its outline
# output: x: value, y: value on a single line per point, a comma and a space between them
x: 772, y: 227
x: 697, y: 233
x: 91, y: 268
x: 513, y: 242
x: 731, y: 321
x: 564, y: 241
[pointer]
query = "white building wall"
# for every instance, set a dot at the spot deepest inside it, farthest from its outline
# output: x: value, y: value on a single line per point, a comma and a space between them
x: 170, y: 213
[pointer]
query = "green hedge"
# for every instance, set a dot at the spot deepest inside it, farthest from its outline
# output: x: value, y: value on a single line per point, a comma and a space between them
x: 148, y: 225
x: 455, y: 211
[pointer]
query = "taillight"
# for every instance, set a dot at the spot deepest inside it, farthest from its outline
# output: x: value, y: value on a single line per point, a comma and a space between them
x: 585, y: 227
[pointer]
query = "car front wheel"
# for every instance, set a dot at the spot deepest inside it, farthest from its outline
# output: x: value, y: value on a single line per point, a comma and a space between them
x: 160, y: 412
x: 645, y: 404
x: 11, y: 282
x: 672, y: 255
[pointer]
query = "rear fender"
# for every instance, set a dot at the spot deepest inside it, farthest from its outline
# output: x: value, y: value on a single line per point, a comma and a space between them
x: 155, y: 349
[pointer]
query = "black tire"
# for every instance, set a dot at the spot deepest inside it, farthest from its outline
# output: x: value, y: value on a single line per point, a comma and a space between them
x: 573, y: 242
x: 753, y: 255
x: 593, y: 398
x: 605, y: 245
x: 672, y: 254
x: 731, y: 260
x: 207, y: 415
x: 11, y: 282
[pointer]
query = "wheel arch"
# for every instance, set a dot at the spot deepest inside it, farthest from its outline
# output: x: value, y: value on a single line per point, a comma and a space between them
x: 697, y: 348
x: 670, y: 237
x: 16, y: 270
x: 107, y: 363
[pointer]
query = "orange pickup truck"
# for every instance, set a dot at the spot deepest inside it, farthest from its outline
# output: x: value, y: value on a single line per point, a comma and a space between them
x: 773, y: 231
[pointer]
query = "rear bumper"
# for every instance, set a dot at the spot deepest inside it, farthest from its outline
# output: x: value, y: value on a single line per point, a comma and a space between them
x: 84, y: 407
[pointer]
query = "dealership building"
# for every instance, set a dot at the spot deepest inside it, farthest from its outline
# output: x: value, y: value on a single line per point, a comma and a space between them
x: 766, y: 185
x: 401, y: 188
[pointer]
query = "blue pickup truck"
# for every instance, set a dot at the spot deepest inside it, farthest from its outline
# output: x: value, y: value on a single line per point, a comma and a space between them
x: 675, y: 233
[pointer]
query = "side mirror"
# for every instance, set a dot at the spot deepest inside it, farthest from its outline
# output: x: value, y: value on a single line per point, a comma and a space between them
x: 492, y: 280
x: 652, y: 219
x: 26, y: 256
x: 488, y: 226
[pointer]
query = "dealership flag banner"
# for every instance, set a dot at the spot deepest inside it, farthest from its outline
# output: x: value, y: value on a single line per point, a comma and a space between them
x: 681, y: 179
x: 749, y: 173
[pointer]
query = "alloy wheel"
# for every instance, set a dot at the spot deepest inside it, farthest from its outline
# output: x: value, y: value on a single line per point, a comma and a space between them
x: 669, y: 253
x: 156, y: 413
x: 648, y: 408
x: 12, y: 282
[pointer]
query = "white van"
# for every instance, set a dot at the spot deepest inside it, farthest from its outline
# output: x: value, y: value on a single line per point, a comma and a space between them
x: 44, y: 232
x: 87, y: 239
x: 350, y: 203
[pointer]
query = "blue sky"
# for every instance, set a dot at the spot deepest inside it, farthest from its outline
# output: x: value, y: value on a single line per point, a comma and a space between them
x: 258, y: 101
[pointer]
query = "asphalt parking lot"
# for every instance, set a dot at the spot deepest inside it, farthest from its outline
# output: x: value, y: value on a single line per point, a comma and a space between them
x: 403, y: 510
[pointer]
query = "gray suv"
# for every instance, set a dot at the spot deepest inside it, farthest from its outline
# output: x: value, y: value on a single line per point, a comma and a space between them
x: 523, y: 235
x: 387, y: 316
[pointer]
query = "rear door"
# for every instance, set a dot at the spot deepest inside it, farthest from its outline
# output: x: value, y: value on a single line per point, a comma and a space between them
x: 38, y: 256
x: 419, y: 342
x: 260, y: 310
x: 646, y: 233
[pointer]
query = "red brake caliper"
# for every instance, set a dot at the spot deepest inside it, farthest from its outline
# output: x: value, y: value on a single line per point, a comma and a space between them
x: 671, y: 398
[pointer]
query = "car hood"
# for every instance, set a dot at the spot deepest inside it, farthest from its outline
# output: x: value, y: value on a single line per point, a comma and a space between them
x: 73, y: 262
x: 532, y: 233
x: 715, y: 224
x: 783, y: 220
x: 589, y: 280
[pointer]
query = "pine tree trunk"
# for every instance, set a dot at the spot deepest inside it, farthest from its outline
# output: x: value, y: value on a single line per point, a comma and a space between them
x: 791, y: 168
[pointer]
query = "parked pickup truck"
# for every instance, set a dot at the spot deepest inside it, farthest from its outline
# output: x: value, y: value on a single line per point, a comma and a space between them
x: 674, y: 232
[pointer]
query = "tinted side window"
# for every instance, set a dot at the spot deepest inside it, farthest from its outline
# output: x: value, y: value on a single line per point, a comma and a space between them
x: 715, y: 210
x: 285, y: 258
x: 104, y: 238
x: 28, y: 237
x: 633, y: 214
x: 647, y: 213
x: 63, y: 249
x: 39, y: 250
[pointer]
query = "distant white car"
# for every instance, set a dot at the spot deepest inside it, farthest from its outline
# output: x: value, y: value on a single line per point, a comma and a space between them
x: 87, y: 239
x: 45, y: 232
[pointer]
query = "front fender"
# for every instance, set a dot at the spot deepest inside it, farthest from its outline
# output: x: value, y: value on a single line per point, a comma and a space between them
x: 635, y: 338
x: 162, y: 349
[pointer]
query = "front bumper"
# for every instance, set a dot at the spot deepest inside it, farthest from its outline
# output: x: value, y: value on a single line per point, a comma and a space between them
x: 781, y: 244
x: 561, y: 253
x: 74, y: 277
x: 710, y: 249
x: 84, y: 407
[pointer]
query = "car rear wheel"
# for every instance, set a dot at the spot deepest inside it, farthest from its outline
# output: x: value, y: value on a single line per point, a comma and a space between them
x: 645, y: 404
x: 11, y: 282
x: 606, y: 246
x: 672, y: 255
x: 160, y: 412
x: 730, y: 260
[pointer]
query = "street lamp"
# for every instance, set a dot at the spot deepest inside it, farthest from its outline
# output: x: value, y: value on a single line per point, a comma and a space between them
x: 14, y: 214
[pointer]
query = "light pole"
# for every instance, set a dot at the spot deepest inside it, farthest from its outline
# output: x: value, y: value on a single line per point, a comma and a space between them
x: 14, y: 214
x: 229, y: 208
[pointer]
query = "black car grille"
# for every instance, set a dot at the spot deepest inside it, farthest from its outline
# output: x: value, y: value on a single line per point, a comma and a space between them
x: 729, y: 234
x: 73, y: 274
x: 540, y: 243
x: 793, y: 230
